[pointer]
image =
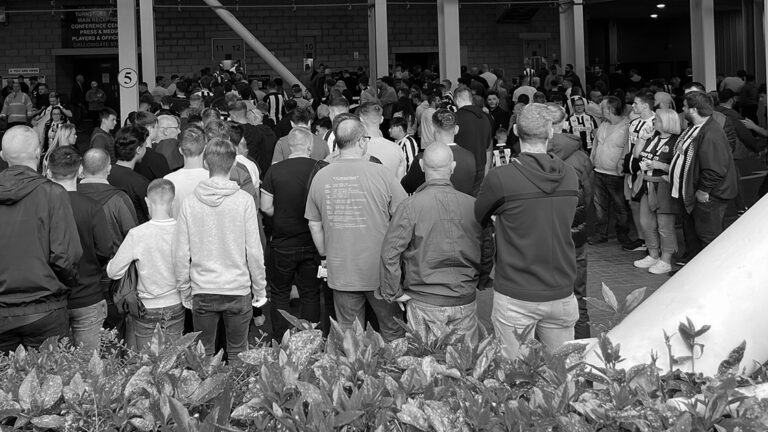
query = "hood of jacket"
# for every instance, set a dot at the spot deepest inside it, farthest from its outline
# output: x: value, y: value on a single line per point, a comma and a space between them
x: 17, y: 182
x: 477, y: 112
x: 101, y: 192
x: 544, y: 170
x: 213, y: 191
x: 563, y: 145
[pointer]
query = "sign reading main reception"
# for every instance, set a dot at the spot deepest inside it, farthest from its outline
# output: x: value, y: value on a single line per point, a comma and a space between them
x: 89, y: 28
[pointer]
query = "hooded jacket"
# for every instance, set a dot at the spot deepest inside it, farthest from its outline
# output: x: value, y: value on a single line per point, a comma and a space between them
x: 217, y: 244
x: 568, y: 148
x: 118, y: 208
x: 41, y: 249
x: 474, y: 135
x: 534, y: 198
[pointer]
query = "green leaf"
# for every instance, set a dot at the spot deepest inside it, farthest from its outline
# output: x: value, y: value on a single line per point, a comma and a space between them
x: 50, y: 391
x: 610, y: 298
x: 142, y: 379
x: 600, y: 305
x: 209, y: 389
x: 634, y: 299
x: 346, y: 417
x: 49, y: 421
x: 28, y: 389
x: 96, y: 365
x: 702, y: 330
x: 75, y: 390
x: 180, y: 414
x: 413, y: 415
x: 158, y: 341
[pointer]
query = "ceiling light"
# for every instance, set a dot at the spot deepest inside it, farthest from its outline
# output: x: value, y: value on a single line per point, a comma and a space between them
x: 654, y: 16
x: 661, y: 5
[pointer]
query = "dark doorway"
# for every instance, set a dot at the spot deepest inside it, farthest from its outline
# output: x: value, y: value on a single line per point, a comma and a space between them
x: 424, y: 59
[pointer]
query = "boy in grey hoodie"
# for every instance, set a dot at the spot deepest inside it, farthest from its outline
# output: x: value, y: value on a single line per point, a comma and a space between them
x: 219, y: 261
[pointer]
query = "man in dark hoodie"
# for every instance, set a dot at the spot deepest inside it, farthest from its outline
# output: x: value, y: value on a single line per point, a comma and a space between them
x: 39, y: 261
x: 475, y: 132
x: 118, y: 210
x: 568, y: 148
x: 86, y: 305
x: 534, y: 199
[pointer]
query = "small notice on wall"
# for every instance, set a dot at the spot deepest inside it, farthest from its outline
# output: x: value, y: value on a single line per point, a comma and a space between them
x: 89, y: 28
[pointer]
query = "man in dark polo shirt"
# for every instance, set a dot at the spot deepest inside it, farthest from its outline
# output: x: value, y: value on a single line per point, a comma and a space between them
x: 464, y: 176
x: 152, y: 165
x: 293, y: 253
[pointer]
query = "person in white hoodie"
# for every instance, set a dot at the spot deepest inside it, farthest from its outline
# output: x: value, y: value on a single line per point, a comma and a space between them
x: 218, y: 258
x: 151, y: 246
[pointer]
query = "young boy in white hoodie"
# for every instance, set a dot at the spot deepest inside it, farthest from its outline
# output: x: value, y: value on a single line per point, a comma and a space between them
x: 151, y: 246
x: 218, y: 257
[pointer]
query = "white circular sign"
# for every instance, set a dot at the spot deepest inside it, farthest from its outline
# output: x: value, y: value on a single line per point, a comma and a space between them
x: 127, y: 78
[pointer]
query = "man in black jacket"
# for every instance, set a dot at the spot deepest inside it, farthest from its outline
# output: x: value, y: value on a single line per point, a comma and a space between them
x: 87, y: 306
x: 39, y: 260
x: 474, y: 132
x: 702, y: 174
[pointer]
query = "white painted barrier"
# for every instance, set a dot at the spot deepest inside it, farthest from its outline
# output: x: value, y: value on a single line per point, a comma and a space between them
x: 725, y: 286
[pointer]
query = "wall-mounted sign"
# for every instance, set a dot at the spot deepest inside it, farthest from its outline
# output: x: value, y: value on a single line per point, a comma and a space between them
x: 24, y: 71
x: 89, y: 28
x: 227, y: 52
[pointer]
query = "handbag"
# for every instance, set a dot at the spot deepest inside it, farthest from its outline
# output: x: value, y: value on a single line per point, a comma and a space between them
x: 125, y: 295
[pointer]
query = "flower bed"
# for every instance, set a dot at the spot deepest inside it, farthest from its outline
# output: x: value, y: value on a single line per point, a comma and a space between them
x: 353, y: 381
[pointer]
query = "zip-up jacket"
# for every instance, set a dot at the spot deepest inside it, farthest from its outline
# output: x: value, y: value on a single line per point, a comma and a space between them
x: 41, y: 249
x: 435, y: 235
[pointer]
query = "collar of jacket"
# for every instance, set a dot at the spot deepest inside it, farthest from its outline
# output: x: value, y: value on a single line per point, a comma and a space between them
x: 434, y: 182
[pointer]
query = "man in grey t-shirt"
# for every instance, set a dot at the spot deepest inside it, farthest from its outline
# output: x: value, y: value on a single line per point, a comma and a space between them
x: 349, y: 206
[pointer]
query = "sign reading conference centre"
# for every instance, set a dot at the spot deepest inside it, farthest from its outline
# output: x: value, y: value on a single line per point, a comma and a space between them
x: 89, y: 28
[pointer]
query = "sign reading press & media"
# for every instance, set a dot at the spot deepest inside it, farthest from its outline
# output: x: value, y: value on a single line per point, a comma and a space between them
x: 89, y: 28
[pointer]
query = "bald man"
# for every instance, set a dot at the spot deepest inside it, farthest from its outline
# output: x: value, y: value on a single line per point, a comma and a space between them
x: 40, y: 247
x: 435, y: 236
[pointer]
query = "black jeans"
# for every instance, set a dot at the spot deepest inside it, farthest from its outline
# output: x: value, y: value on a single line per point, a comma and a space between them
x: 285, y: 266
x: 609, y: 197
x: 581, y: 330
x: 703, y: 224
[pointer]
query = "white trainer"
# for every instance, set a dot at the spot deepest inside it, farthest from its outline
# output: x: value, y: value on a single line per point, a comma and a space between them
x: 646, y: 262
x: 660, y: 268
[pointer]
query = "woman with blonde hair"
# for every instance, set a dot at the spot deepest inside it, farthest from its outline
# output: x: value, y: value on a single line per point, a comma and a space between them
x: 66, y: 135
x: 657, y: 207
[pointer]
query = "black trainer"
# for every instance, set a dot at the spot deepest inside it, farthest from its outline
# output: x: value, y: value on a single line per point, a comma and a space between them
x: 635, y: 246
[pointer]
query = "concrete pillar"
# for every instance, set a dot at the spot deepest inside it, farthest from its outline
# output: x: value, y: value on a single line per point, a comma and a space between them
x: 378, y: 42
x: 572, y: 46
x: 703, y: 43
x: 128, y: 60
x: 448, y: 39
x: 148, y: 52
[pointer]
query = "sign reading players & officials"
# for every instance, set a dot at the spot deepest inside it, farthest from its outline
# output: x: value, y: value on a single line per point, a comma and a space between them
x: 89, y: 28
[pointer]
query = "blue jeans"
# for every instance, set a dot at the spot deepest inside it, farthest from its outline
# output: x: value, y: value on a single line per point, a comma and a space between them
x: 554, y: 321
x: 429, y: 318
x: 285, y: 266
x: 85, y: 324
x: 609, y: 198
x: 170, y: 319
x: 659, y: 228
x: 350, y: 307
x: 235, y: 311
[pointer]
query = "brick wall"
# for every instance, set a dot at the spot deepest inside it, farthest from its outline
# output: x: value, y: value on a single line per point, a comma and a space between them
x: 183, y: 37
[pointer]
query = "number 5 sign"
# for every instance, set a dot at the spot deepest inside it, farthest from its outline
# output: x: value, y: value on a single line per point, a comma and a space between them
x: 127, y: 78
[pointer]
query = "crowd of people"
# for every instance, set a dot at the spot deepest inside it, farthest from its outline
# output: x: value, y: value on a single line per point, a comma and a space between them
x: 373, y: 202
